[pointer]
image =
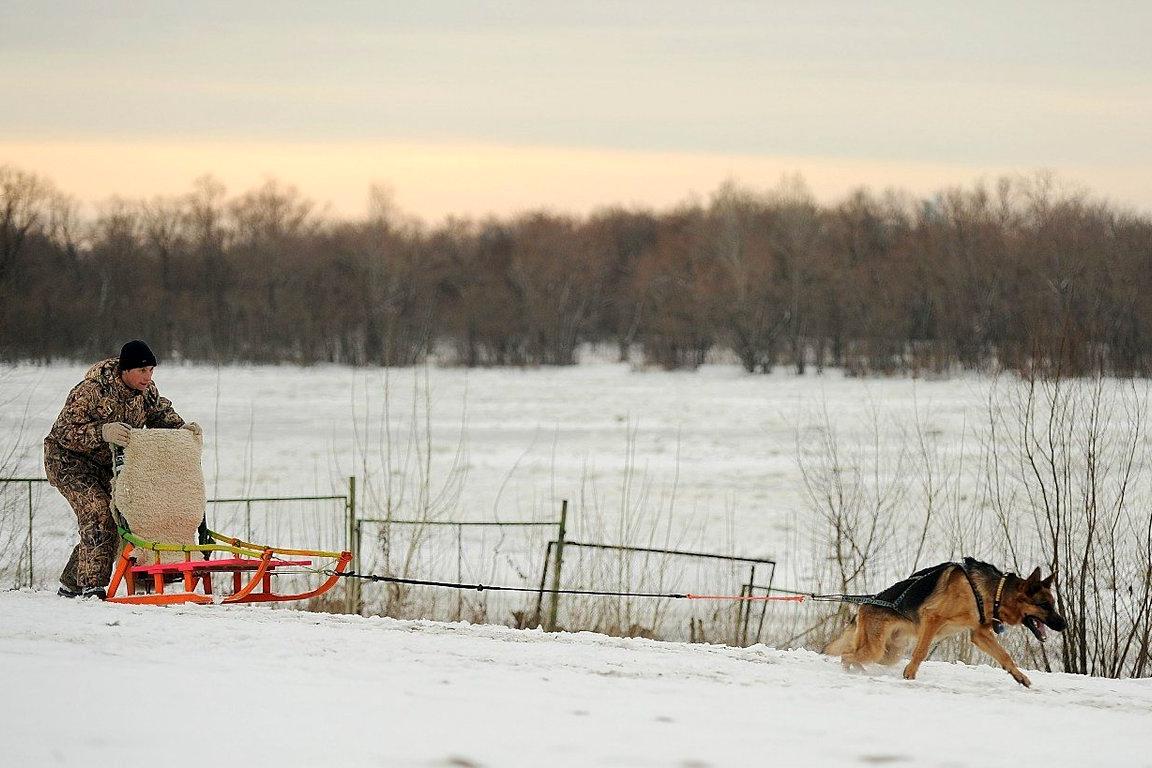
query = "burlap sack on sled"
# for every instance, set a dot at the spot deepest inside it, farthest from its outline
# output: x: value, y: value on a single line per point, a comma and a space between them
x: 160, y: 489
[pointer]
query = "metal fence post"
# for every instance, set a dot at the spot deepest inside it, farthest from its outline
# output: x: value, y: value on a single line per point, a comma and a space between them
x: 543, y: 580
x: 352, y: 593
x: 746, y: 607
x: 556, y: 568
x: 31, y: 573
x: 459, y: 570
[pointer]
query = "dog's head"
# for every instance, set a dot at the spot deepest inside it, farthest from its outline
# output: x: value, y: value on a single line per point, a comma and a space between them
x: 1037, y: 606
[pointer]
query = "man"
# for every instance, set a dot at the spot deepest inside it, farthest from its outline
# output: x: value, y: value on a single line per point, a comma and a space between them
x: 116, y: 396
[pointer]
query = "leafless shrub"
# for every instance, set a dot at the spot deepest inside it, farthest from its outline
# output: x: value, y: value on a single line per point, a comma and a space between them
x: 14, y: 502
x: 1078, y: 459
x: 1061, y: 481
x: 402, y: 482
x: 642, y: 512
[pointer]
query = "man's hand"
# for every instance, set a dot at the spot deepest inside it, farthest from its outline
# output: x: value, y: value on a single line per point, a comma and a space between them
x: 117, y: 433
x: 194, y: 428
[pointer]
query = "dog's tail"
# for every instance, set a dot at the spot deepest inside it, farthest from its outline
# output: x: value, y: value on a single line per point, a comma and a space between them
x: 843, y: 642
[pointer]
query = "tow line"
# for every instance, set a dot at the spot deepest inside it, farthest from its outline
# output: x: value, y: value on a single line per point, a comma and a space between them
x: 788, y: 596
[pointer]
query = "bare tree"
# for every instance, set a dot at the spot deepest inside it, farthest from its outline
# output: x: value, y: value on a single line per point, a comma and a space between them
x: 24, y: 198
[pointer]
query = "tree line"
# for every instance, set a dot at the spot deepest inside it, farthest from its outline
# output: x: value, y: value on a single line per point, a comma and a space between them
x: 1015, y: 274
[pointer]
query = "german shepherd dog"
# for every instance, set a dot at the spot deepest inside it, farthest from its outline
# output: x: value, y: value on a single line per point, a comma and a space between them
x: 941, y: 601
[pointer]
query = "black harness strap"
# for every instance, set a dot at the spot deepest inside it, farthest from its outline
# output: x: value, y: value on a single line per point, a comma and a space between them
x: 997, y: 625
x: 975, y: 591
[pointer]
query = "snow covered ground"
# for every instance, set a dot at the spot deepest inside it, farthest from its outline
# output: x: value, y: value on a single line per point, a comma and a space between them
x: 88, y: 683
x: 702, y: 460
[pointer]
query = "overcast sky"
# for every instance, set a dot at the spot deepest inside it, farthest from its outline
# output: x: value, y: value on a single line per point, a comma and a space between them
x: 602, y: 100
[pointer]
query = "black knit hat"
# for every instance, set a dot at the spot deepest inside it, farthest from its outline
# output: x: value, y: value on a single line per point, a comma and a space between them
x: 135, y: 354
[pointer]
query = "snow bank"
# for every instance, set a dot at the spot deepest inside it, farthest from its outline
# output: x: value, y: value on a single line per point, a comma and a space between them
x: 245, y: 683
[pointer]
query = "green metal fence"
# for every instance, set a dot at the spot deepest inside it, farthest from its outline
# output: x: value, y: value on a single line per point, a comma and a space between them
x: 440, y: 549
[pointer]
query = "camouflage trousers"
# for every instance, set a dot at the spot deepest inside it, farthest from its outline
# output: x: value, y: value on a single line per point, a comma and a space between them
x: 90, y: 497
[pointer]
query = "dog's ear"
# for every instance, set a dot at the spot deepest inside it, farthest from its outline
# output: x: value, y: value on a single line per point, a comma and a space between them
x: 1033, y: 577
x: 1048, y: 581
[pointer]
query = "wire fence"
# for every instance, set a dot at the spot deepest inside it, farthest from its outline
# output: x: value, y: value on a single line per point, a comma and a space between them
x: 494, y: 552
x: 38, y: 531
x: 318, y: 522
x: 593, y: 565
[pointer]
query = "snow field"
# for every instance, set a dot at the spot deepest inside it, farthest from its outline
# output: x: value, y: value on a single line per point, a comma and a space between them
x: 89, y: 683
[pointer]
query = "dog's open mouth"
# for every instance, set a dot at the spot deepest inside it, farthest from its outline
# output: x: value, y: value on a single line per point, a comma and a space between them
x: 1037, y: 627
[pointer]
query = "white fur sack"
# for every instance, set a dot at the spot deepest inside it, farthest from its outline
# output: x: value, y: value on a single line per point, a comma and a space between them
x: 160, y: 489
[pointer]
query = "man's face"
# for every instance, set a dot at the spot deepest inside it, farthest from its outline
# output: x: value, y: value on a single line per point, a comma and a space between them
x: 137, y: 378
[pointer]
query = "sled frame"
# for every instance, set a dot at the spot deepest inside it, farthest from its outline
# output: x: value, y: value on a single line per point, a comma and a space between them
x: 257, y: 560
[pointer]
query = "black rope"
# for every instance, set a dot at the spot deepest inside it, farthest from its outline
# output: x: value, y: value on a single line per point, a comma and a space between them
x: 496, y: 588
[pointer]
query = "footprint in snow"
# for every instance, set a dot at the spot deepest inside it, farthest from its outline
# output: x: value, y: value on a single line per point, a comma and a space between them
x: 883, y: 759
x: 456, y: 761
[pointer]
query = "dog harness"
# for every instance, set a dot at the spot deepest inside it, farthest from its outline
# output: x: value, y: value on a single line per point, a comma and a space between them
x: 921, y: 582
x: 997, y: 624
x: 902, y: 598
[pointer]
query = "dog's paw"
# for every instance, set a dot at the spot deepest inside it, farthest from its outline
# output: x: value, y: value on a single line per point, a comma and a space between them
x: 910, y: 672
x: 1022, y: 679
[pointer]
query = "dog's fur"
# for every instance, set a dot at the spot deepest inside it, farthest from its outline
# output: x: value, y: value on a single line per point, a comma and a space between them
x: 881, y: 635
